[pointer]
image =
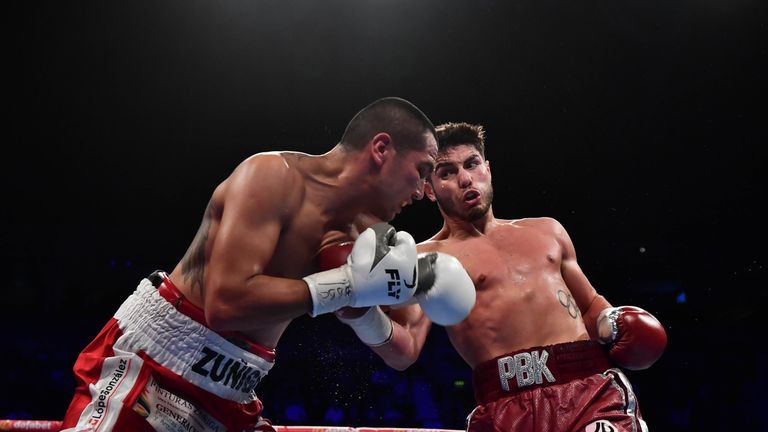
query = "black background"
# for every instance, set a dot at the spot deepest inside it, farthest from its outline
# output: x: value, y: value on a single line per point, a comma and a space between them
x: 639, y: 125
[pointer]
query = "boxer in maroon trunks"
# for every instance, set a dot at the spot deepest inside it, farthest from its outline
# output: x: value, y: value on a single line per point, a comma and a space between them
x: 545, y: 348
x: 562, y: 387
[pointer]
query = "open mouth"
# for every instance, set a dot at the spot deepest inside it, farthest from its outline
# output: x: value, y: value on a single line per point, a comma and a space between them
x: 472, y: 195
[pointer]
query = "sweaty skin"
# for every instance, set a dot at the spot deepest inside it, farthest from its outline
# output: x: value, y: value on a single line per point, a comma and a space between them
x: 265, y: 223
x: 250, y: 269
x: 530, y: 288
x: 519, y: 269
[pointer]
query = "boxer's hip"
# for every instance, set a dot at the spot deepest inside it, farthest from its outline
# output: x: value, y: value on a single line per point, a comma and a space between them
x: 173, y: 295
x: 154, y: 367
x: 150, y: 324
x: 537, y: 367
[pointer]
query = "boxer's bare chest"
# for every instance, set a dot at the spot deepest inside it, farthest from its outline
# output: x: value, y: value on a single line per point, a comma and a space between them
x: 510, y: 256
x: 517, y: 277
x: 300, y: 240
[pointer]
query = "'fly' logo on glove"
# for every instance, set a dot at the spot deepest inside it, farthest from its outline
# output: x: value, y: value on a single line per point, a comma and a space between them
x: 392, y: 285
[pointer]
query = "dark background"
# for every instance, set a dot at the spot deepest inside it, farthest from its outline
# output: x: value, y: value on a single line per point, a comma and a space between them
x: 639, y: 125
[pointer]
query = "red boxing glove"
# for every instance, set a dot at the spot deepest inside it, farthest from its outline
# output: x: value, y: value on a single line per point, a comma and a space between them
x: 638, y: 339
x: 334, y: 256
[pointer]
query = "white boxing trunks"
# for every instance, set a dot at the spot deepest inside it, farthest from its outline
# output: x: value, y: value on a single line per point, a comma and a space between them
x: 154, y: 368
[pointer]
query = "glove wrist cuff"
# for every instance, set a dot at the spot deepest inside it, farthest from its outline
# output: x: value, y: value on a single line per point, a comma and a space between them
x: 374, y: 327
x: 607, y: 325
x: 330, y: 290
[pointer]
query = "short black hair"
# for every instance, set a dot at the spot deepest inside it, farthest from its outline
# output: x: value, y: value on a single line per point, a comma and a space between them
x: 456, y: 134
x: 396, y: 116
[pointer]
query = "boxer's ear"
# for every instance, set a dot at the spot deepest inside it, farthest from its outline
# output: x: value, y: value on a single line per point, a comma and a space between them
x: 380, y: 148
x: 429, y: 191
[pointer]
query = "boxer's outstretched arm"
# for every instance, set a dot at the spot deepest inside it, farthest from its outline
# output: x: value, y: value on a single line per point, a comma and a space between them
x: 397, y: 336
x: 447, y: 295
x: 257, y: 199
x: 410, y: 327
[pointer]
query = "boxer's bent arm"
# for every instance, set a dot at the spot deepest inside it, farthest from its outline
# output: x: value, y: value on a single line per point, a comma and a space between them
x: 589, y: 301
x: 259, y: 195
x: 409, y: 332
x: 599, y: 303
x: 260, y: 302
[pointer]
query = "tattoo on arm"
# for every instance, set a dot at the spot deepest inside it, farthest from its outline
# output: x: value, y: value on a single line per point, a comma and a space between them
x: 193, y: 264
x: 567, y: 301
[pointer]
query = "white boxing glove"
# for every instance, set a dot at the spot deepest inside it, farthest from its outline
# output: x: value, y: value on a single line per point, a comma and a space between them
x: 445, y: 291
x: 380, y: 270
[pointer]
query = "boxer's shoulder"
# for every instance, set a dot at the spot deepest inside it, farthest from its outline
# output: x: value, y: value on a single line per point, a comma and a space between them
x: 270, y: 172
x: 546, y: 225
x: 543, y: 221
x: 277, y: 163
x: 431, y: 245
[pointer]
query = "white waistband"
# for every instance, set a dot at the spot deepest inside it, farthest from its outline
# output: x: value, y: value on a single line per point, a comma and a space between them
x: 196, y: 353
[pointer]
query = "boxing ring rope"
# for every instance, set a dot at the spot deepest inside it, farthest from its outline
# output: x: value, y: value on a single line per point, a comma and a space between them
x: 55, y: 426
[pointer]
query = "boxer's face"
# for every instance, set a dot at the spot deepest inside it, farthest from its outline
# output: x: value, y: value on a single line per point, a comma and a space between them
x: 403, y: 177
x: 461, y: 183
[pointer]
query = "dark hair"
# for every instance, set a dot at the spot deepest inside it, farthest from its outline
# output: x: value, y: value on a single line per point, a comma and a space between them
x: 402, y: 120
x: 456, y: 134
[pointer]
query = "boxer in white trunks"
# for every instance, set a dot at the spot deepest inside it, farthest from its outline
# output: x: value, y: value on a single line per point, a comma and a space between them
x: 187, y: 349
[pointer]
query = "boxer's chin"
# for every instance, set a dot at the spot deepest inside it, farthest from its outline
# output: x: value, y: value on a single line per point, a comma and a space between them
x: 477, y: 212
x: 481, y: 209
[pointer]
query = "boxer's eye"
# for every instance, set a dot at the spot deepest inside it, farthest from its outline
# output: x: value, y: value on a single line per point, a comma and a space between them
x: 445, y: 173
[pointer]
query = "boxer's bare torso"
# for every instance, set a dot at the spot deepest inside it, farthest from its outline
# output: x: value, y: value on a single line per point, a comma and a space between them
x: 305, y: 227
x: 265, y: 224
x: 522, y: 297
